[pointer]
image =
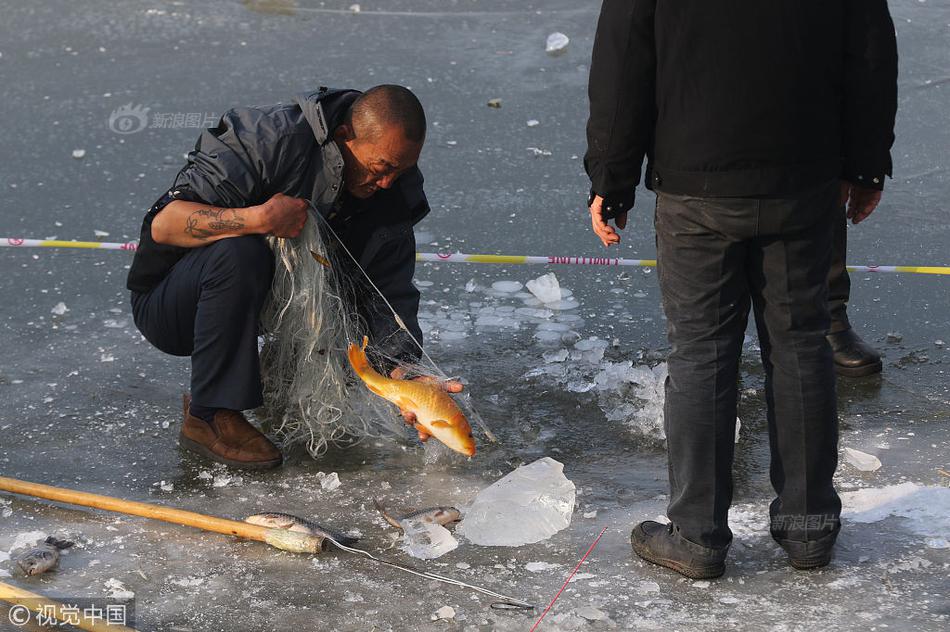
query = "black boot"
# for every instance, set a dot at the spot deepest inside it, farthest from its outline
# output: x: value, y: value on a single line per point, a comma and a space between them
x: 853, y: 356
x: 662, y: 544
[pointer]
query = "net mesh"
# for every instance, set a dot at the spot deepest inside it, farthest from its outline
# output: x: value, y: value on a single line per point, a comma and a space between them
x: 311, y: 395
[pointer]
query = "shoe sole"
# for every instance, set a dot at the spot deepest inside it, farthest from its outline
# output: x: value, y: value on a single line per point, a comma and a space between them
x: 197, y: 448
x: 859, y: 371
x: 807, y: 565
x: 711, y: 572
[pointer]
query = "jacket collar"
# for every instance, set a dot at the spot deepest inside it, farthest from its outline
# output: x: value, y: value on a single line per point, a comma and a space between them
x: 323, y: 108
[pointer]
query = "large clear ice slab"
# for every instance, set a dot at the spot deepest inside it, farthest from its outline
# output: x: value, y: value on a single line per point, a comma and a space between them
x: 528, y: 505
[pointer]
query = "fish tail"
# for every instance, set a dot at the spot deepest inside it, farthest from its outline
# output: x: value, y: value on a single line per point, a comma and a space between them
x: 59, y: 544
x: 362, y: 367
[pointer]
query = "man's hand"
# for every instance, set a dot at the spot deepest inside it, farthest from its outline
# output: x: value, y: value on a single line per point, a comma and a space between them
x: 284, y: 216
x: 449, y: 386
x: 607, y: 234
x: 861, y: 201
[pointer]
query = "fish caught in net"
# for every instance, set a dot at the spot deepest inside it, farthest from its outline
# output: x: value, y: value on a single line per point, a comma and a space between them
x: 311, y: 395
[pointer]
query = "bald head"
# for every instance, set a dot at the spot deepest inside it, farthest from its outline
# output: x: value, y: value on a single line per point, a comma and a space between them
x: 387, y: 107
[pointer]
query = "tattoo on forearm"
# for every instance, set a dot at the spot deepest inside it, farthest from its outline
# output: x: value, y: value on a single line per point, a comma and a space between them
x: 208, y: 222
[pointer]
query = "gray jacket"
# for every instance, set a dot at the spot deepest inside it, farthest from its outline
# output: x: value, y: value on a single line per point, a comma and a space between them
x: 256, y: 152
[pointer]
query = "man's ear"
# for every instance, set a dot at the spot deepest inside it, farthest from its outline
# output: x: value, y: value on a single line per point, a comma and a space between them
x: 343, y: 133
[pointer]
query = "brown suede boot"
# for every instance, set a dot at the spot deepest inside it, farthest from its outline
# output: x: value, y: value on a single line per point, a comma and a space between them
x: 230, y: 439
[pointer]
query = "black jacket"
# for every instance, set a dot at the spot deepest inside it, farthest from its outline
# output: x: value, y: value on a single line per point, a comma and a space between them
x: 741, y: 97
x: 254, y: 153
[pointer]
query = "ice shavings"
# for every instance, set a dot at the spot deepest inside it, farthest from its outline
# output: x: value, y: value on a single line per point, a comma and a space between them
x: 529, y: 505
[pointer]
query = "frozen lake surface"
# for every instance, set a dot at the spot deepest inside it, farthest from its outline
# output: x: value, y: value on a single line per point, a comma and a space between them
x: 87, y: 404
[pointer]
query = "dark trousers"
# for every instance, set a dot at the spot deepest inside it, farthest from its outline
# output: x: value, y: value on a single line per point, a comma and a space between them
x: 839, y: 283
x: 208, y: 307
x: 717, y: 257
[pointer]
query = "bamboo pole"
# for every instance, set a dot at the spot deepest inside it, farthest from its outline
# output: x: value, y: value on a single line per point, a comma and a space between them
x: 38, y: 603
x: 279, y: 538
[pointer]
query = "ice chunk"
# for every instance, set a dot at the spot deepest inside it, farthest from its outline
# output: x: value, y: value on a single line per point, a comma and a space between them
x: 426, y: 540
x: 445, y: 612
x: 329, y: 482
x: 862, y: 460
x: 591, y: 613
x: 79, y: 153
x: 557, y: 43
x: 894, y: 337
x: 533, y: 122
x: 556, y: 356
x: 355, y: 8
x: 546, y: 288
x: 528, y: 505
x: 471, y: 285
x: 59, y: 309
x: 507, y: 286
x: 539, y: 567
x: 117, y: 590
x: 738, y: 426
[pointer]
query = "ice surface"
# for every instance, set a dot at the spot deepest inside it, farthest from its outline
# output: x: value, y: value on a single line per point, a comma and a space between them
x: 426, y: 540
x: 546, y: 288
x: 529, y: 505
x: 557, y: 43
x: 862, y: 460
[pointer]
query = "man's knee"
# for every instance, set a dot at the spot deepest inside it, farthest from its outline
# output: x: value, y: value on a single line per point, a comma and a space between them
x: 247, y: 259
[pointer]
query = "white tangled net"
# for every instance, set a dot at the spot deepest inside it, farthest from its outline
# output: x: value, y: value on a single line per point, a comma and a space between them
x: 311, y: 395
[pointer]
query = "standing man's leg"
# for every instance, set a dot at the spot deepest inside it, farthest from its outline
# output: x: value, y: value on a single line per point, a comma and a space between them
x: 853, y: 357
x: 791, y: 312
x: 701, y: 251
x: 209, y: 307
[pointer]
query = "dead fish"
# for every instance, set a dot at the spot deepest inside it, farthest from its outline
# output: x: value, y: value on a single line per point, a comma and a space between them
x: 42, y: 557
x: 434, y: 515
x: 277, y: 520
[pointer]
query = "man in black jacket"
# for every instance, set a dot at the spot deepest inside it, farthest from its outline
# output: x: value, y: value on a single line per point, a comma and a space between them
x: 203, y: 269
x: 758, y: 120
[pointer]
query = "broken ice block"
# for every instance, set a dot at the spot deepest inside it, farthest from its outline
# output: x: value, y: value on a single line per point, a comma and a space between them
x: 528, y: 505
x: 557, y: 43
x: 862, y: 460
x: 59, y: 309
x: 546, y: 288
x: 426, y: 540
x: 506, y: 286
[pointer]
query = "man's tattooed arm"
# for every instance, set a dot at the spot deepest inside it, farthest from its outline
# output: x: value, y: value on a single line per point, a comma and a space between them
x: 210, y: 222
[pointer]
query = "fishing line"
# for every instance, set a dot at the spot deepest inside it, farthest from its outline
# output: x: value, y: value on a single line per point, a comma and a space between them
x: 504, y: 601
x: 568, y: 580
x: 461, y: 257
x: 398, y: 319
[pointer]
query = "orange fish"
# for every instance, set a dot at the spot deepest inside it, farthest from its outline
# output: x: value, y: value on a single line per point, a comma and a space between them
x: 437, y: 414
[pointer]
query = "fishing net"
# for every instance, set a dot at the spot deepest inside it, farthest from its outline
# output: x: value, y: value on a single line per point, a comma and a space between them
x: 311, y: 395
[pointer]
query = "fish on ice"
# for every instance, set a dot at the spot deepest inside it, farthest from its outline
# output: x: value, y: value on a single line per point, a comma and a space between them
x: 42, y: 557
x: 289, y: 522
x: 434, y: 515
x: 437, y: 414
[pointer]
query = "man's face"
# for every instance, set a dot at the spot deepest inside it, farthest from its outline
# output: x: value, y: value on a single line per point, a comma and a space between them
x: 371, y: 164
